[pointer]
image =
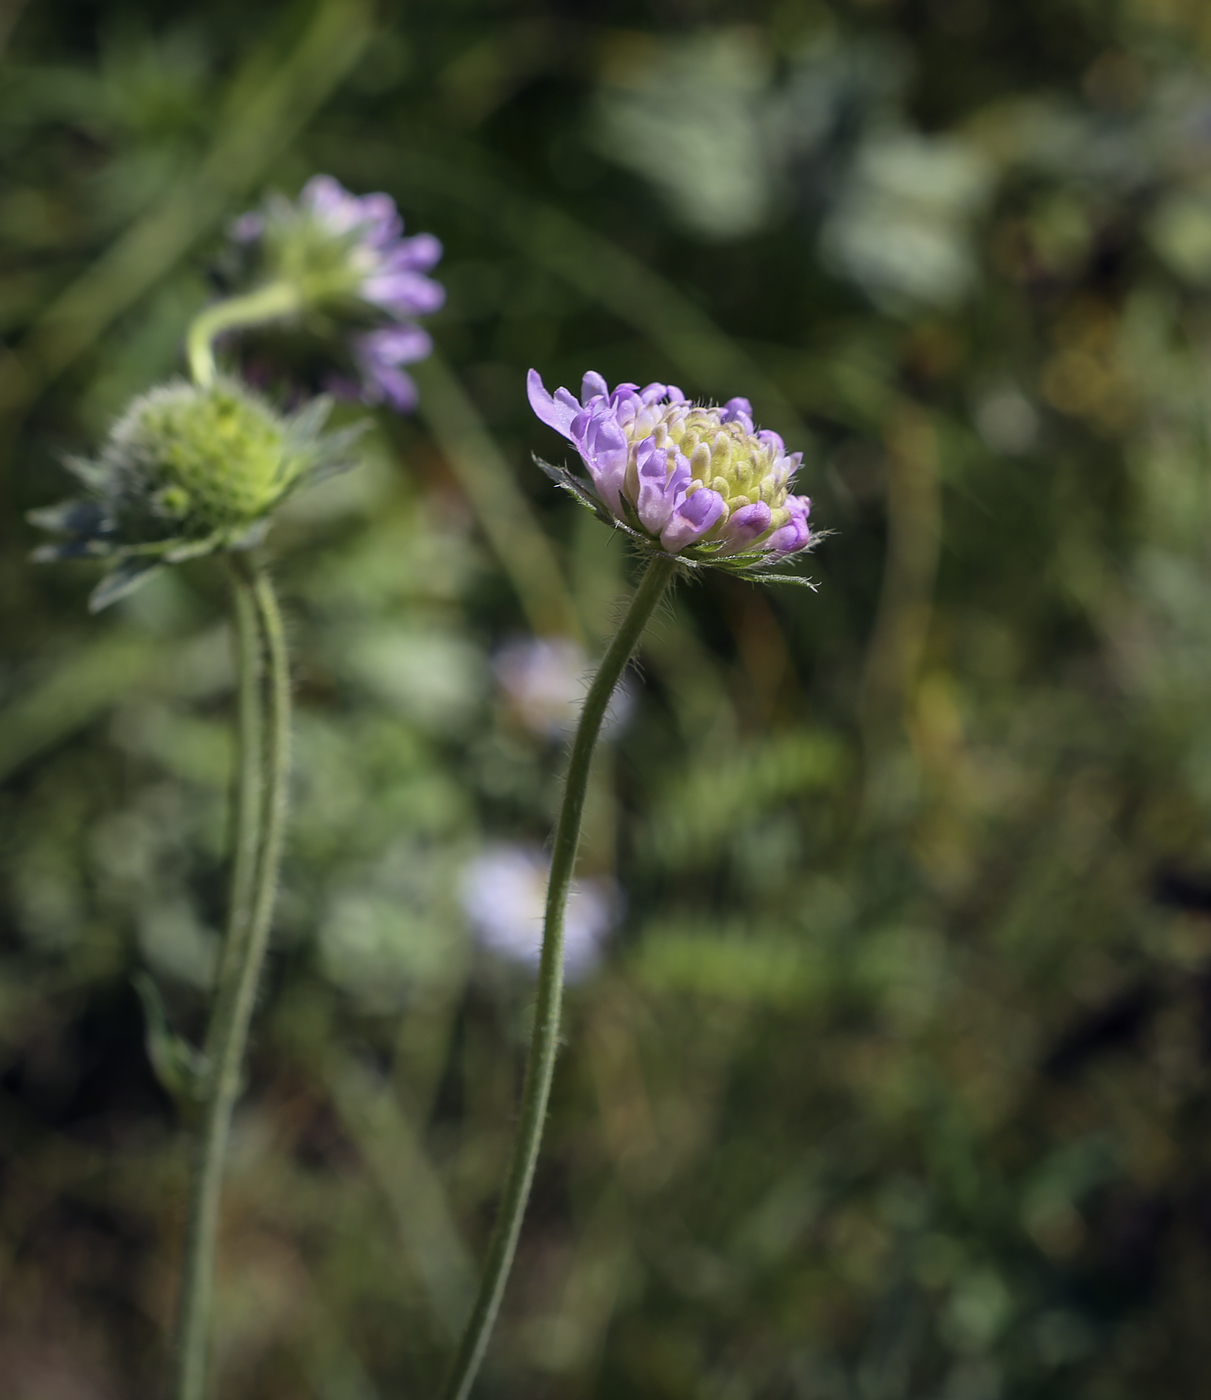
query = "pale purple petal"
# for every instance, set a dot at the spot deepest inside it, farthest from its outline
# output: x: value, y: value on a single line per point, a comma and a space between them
x: 416, y: 254
x: 740, y: 412
x: 593, y: 386
x: 393, y: 281
x: 383, y: 225
x: 796, y: 533
x: 557, y: 412
x: 330, y: 201
x: 403, y: 293
x: 397, y: 345
x: 747, y: 523
x: 658, y: 487
x: 385, y: 385
x: 423, y: 251
x: 379, y: 355
x: 323, y: 194
x: 692, y: 519
x: 603, y: 446
x: 393, y: 387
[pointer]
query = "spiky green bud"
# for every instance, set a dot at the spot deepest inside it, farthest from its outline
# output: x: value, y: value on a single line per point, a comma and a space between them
x: 188, y: 470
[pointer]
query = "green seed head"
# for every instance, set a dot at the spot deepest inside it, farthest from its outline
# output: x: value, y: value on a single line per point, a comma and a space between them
x: 188, y: 462
x: 186, y: 471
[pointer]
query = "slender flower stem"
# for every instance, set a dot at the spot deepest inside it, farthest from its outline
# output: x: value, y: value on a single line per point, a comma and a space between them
x: 545, y: 1038
x: 268, y: 303
x: 248, y: 932
x: 249, y: 761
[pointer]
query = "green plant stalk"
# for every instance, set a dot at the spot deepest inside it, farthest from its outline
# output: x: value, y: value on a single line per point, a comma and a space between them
x: 249, y: 782
x: 267, y: 303
x: 236, y: 995
x: 544, y: 1040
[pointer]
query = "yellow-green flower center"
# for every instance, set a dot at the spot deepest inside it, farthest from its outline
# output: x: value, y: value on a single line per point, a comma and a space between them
x: 742, y: 467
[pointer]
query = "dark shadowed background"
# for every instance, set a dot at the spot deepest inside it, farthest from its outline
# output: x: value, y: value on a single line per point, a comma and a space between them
x: 890, y: 1081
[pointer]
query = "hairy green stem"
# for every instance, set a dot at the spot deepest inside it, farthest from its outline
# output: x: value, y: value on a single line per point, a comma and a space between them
x: 261, y: 812
x: 267, y: 303
x: 249, y: 780
x: 544, y: 1040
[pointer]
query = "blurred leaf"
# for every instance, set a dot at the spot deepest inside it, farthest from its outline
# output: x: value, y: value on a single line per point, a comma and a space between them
x: 179, y: 1066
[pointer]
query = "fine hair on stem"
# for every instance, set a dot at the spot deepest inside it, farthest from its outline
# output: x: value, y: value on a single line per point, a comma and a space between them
x: 264, y: 756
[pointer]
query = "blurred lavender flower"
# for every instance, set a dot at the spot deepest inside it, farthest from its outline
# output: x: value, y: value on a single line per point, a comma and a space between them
x: 503, y: 891
x: 544, y: 680
x: 378, y: 356
x: 686, y: 479
x: 387, y: 268
x: 356, y: 273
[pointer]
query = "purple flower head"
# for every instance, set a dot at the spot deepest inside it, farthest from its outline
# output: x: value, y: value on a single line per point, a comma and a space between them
x: 692, y: 480
x: 503, y: 891
x: 545, y: 679
x: 354, y: 246
x: 355, y: 274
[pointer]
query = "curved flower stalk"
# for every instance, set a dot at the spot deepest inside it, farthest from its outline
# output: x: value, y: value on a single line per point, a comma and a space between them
x: 338, y: 266
x: 189, y: 470
x: 698, y: 487
x: 692, y: 481
x: 197, y: 468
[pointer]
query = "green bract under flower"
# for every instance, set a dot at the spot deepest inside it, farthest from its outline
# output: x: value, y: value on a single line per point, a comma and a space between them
x: 189, y: 470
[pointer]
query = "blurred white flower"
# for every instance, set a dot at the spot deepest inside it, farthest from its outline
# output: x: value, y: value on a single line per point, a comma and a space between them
x: 504, y: 890
x: 544, y: 681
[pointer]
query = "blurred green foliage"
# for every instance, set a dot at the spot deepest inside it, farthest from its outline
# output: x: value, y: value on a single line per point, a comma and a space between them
x: 892, y: 1084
